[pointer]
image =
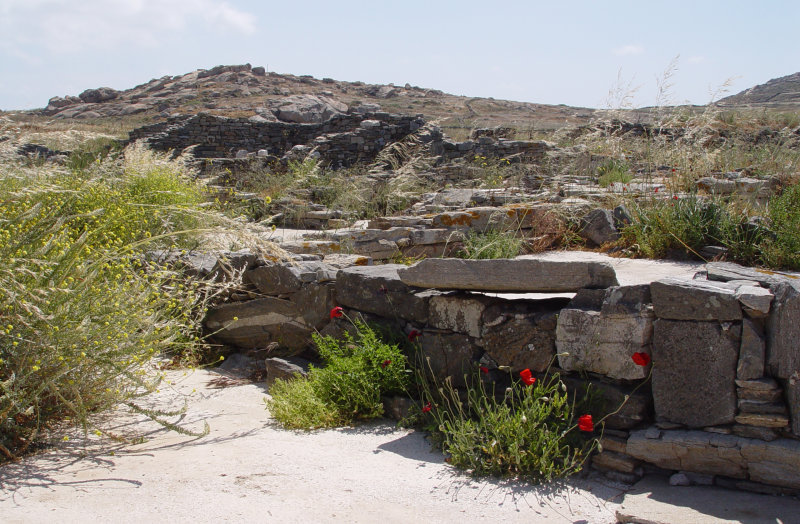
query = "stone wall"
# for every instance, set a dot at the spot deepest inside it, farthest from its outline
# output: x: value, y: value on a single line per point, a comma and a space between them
x: 719, y: 402
x: 341, y: 141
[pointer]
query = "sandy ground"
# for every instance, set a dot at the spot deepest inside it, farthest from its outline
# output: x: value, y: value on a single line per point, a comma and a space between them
x: 249, y: 470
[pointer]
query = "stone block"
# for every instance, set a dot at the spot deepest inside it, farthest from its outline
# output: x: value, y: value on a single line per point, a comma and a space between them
x: 257, y: 323
x: 776, y: 463
x: 677, y: 299
x: 523, y: 274
x: 636, y: 406
x: 764, y: 420
x: 610, y: 460
x: 603, y: 343
x: 694, y: 371
x: 449, y: 355
x: 751, y: 352
x: 288, y: 277
x: 520, y: 335
x: 696, y: 451
x: 793, y: 401
x: 783, y: 330
x: 458, y: 312
x: 598, y: 227
x: 379, y: 290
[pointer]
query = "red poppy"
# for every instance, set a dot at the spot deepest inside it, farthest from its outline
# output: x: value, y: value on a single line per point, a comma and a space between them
x: 413, y: 335
x: 656, y: 190
x: 484, y: 369
x: 427, y: 407
x: 337, y: 312
x: 673, y: 169
x: 640, y: 358
x: 385, y: 363
x: 674, y: 197
x: 526, y: 377
x: 624, y: 188
x: 585, y: 423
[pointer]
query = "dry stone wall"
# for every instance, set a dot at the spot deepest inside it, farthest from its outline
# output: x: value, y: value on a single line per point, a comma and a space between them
x: 718, y: 402
x: 343, y: 140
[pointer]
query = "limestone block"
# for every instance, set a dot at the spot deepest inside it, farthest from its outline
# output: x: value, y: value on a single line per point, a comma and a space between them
x: 696, y: 451
x: 610, y: 460
x: 598, y: 227
x: 694, y: 371
x: 636, y: 406
x: 678, y: 299
x: 285, y: 368
x: 793, y: 400
x: 518, y: 274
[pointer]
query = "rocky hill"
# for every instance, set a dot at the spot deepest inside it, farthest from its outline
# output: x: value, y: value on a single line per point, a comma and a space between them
x: 778, y: 92
x: 252, y: 92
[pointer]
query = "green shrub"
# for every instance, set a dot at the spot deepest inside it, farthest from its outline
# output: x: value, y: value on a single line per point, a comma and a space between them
x: 612, y: 171
x: 784, y: 214
x: 357, y: 373
x: 527, y: 431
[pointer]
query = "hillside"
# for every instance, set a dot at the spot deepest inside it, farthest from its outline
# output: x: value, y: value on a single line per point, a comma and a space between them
x: 782, y: 92
x: 245, y: 91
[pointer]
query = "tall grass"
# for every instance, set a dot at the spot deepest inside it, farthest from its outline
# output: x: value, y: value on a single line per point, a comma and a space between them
x: 83, y: 315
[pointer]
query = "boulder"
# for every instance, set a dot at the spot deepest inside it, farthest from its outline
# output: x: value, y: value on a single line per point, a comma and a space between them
x: 308, y: 109
x: 101, y: 94
x: 524, y: 274
x: 598, y: 227
x: 285, y: 368
x: 678, y: 299
x: 694, y: 371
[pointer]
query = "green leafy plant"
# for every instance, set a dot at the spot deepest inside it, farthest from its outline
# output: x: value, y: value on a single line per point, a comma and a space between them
x: 491, y: 244
x: 612, y: 171
x: 357, y: 372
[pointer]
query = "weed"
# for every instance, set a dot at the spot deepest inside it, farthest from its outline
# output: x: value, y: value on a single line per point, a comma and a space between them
x: 612, y: 171
x: 491, y: 244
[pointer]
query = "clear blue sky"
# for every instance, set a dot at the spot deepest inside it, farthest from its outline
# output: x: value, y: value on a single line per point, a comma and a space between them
x: 569, y: 52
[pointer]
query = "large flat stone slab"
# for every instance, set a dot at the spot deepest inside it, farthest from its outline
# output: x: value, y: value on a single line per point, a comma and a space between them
x: 783, y: 330
x: 653, y: 501
x: 776, y: 463
x: 694, y: 369
x: 522, y: 274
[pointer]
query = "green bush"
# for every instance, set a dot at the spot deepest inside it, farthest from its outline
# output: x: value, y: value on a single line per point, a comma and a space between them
x: 784, y: 214
x: 357, y: 373
x: 612, y: 171
x: 527, y: 431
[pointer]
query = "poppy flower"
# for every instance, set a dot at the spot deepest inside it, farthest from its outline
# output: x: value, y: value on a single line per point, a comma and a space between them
x: 385, y: 363
x: 427, y: 407
x: 640, y: 358
x: 674, y: 197
x: 656, y: 190
x: 413, y: 335
x: 526, y: 377
x: 337, y: 312
x: 585, y: 423
x: 484, y: 369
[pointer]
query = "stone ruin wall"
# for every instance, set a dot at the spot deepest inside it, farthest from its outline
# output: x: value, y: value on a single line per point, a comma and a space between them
x: 342, y: 141
x: 722, y: 405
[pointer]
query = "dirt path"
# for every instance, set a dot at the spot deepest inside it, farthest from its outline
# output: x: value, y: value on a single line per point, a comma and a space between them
x: 248, y: 469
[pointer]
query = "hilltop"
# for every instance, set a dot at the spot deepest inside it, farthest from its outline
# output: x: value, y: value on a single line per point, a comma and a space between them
x: 246, y: 91
x: 783, y: 92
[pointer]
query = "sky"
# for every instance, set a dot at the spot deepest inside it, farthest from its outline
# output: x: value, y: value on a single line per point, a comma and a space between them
x: 602, y: 53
